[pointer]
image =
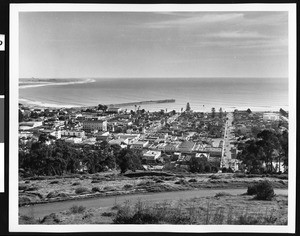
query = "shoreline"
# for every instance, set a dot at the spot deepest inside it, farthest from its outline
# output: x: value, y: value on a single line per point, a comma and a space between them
x: 37, y: 104
x: 42, y: 84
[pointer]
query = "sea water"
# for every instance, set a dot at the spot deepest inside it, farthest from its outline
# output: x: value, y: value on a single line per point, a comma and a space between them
x: 262, y: 94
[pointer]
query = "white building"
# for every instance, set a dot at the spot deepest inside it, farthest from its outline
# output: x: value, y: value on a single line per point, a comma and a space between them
x: 73, y: 133
x: 73, y: 140
x: 271, y: 116
x: 89, y: 125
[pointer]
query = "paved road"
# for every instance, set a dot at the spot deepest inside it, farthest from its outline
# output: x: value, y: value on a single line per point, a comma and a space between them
x: 41, y: 210
x: 228, y: 136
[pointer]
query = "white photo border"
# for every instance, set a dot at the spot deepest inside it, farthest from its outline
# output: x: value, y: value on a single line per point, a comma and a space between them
x: 15, y: 9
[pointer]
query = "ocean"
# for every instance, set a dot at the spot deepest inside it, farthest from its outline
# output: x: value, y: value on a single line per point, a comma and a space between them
x: 258, y: 94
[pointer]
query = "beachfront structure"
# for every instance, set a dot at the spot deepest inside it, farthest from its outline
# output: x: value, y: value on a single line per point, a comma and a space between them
x: 139, y: 145
x: 73, y: 133
x: 90, y: 125
x: 114, y: 110
x: 271, y: 116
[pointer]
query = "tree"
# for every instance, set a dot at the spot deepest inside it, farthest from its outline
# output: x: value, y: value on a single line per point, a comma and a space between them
x: 213, y: 112
x: 249, y: 111
x: 188, y: 108
x: 251, y: 156
x: 268, y: 140
x: 128, y: 159
x: 102, y: 107
x: 21, y: 116
x: 199, y: 165
x: 220, y: 113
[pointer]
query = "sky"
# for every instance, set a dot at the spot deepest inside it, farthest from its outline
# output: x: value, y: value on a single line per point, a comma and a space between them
x: 153, y: 44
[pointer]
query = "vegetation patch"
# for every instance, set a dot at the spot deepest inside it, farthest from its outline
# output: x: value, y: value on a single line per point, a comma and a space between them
x: 265, y: 191
x: 127, y: 186
x: 77, y: 209
x: 222, y: 194
x: 192, y: 181
x: 81, y: 190
x: 51, y: 219
x: 252, y: 189
x: 96, y: 189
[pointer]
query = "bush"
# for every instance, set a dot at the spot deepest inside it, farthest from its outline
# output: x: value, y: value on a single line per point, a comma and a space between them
x: 108, y: 214
x: 96, y: 181
x: 222, y: 194
x: 32, y: 188
x: 54, y: 194
x: 24, y: 219
x: 127, y: 186
x: 24, y: 200
x: 109, y: 188
x: 252, y: 190
x: 54, y: 182
x: 159, y: 181
x: 75, y: 184
x: 77, y: 209
x: 23, y: 187
x: 81, y: 190
x: 265, y: 191
x: 96, y: 189
x: 192, y: 180
x: 181, y: 181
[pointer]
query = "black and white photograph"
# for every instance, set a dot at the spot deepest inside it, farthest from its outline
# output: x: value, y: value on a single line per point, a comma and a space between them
x: 153, y: 118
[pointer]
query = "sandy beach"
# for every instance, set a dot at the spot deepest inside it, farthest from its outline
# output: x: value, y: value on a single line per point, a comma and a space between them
x: 33, y: 84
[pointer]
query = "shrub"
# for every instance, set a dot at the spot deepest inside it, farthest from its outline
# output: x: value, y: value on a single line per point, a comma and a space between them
x: 96, y: 189
x: 27, y: 182
x: 23, y: 187
x: 24, y: 200
x: 54, y: 182
x: 192, y: 180
x: 215, y: 177
x: 109, y: 188
x: 108, y: 214
x: 96, y: 181
x: 63, y: 195
x: 51, y: 219
x: 222, y: 194
x: 181, y: 181
x: 24, y: 219
x: 52, y: 194
x: 265, y: 191
x: 252, y: 190
x: 127, y: 186
x: 247, y: 220
x: 32, y: 188
x: 159, y: 181
x: 75, y: 184
x: 77, y: 209
x: 80, y: 190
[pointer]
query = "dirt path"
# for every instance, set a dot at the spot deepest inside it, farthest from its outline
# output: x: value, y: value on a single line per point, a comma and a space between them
x: 41, y: 210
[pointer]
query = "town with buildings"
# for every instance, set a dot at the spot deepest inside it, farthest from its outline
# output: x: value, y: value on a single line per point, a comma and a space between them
x: 166, y: 140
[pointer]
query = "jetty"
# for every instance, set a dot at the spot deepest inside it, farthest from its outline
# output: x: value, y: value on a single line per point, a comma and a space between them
x: 141, y: 103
